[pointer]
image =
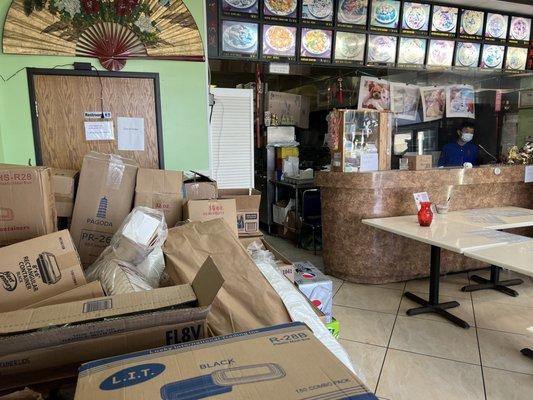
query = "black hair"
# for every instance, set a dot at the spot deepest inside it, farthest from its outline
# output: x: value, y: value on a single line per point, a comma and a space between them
x: 467, y: 125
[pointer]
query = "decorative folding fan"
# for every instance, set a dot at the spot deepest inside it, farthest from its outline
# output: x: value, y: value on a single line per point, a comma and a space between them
x: 110, y: 30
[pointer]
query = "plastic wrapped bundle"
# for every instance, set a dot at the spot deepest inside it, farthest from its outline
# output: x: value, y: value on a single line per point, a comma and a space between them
x: 134, y: 260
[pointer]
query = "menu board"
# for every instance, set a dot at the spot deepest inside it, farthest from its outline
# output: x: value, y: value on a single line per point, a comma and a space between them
x: 471, y: 25
x: 516, y: 58
x: 352, y: 13
x: 492, y: 56
x: 467, y: 54
x: 385, y: 15
x: 520, y: 30
x: 444, y: 21
x: 316, y: 45
x: 349, y: 48
x: 412, y: 51
x: 279, y: 43
x: 381, y: 50
x: 317, y: 12
x: 241, y: 8
x: 280, y: 10
x: 440, y: 53
x: 415, y: 20
x: 239, y: 39
x: 496, y: 27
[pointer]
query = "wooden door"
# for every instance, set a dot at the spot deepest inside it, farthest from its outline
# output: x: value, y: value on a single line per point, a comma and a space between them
x: 59, y: 115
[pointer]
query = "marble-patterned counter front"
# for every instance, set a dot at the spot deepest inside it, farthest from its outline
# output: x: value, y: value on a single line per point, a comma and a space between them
x: 362, y: 254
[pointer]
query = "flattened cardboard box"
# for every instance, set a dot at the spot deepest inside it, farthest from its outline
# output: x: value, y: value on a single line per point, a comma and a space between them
x: 104, y: 199
x: 207, y: 210
x: 37, y: 269
x: 161, y: 190
x: 64, y: 190
x: 27, y: 207
x: 34, y: 342
x: 247, y: 203
x: 285, y: 362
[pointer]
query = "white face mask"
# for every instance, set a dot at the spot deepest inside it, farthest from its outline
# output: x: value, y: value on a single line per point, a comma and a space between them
x: 466, y: 137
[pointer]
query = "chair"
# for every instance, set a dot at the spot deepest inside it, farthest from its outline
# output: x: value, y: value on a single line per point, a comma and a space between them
x: 311, y: 213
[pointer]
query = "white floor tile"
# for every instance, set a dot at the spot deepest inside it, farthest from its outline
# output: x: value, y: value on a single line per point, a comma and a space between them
x: 364, y: 326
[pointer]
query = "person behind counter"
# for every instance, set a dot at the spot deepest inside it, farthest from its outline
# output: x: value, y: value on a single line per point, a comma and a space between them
x: 462, y: 150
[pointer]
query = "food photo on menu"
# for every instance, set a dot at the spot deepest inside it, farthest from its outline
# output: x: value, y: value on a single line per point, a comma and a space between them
x: 353, y: 12
x: 467, y: 54
x: 492, y: 56
x: 241, y: 6
x: 319, y: 10
x: 349, y: 46
x: 280, y: 8
x: 415, y: 16
x: 520, y: 28
x: 382, y: 49
x: 316, y: 43
x: 496, y: 26
x: 412, y: 51
x: 279, y: 40
x: 239, y: 37
x: 404, y: 100
x: 472, y: 22
x: 444, y: 19
x: 433, y: 102
x: 460, y: 101
x: 374, y: 94
x: 516, y: 58
x: 440, y: 53
x: 385, y: 13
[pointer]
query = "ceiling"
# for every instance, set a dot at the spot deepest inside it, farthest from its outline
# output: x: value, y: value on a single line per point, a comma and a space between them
x: 516, y: 6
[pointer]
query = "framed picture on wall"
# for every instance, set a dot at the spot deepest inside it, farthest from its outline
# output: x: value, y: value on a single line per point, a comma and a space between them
x: 525, y: 98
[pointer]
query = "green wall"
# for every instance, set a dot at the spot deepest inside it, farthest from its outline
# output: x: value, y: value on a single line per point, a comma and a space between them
x: 183, y: 102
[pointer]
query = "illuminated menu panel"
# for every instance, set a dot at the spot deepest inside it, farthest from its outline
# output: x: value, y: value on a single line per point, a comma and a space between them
x: 316, y: 45
x: 415, y: 18
x: 318, y: 12
x: 444, y: 21
x: 385, y: 15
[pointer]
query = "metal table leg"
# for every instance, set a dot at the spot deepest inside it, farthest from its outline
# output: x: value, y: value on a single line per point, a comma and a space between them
x: 433, y: 305
x: 493, y: 283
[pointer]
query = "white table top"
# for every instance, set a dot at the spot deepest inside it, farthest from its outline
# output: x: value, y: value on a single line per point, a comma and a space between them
x: 516, y: 257
x: 493, y: 218
x: 444, y: 233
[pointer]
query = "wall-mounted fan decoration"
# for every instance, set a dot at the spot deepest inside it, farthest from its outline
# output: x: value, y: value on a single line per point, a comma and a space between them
x: 111, y: 30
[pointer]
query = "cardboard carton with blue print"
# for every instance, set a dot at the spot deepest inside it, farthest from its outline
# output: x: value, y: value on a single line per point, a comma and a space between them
x: 104, y: 198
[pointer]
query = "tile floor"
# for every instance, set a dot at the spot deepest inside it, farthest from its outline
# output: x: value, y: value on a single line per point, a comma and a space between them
x: 426, y: 357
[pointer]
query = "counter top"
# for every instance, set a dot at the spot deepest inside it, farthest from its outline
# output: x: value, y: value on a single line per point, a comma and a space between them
x: 432, y: 177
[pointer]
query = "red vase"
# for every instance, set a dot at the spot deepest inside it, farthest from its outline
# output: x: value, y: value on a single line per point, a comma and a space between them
x: 425, y: 215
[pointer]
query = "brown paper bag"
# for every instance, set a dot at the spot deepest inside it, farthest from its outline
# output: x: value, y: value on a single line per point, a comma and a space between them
x: 246, y: 301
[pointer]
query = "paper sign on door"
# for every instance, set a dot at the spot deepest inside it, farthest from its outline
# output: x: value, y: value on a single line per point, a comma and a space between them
x: 130, y: 134
x: 99, y: 130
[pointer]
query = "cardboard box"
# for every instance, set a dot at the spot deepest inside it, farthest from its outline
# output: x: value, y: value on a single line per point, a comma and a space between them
x: 206, y: 210
x: 316, y: 286
x: 290, y: 109
x: 283, y: 361
x: 247, y: 203
x: 27, y: 207
x: 417, y: 162
x: 104, y: 199
x: 64, y: 190
x: 91, y: 290
x: 200, y: 188
x: 38, y: 268
x: 34, y: 343
x: 161, y: 190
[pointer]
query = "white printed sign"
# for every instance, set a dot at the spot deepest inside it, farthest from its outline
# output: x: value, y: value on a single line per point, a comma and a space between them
x: 419, y: 198
x: 130, y: 133
x: 99, y: 130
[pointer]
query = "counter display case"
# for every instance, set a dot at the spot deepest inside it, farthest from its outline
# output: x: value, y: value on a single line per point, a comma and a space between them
x: 359, y: 140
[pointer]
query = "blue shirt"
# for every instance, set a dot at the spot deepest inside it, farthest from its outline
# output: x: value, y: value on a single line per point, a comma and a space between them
x: 453, y: 154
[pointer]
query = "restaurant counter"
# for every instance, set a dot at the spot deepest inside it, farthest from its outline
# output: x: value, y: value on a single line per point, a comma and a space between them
x: 359, y: 253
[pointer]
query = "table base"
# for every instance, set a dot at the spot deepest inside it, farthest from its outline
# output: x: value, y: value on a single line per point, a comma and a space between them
x: 439, y: 308
x: 493, y: 283
x: 527, y: 352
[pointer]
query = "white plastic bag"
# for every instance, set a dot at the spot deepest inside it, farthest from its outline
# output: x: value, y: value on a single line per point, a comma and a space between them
x: 134, y: 259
